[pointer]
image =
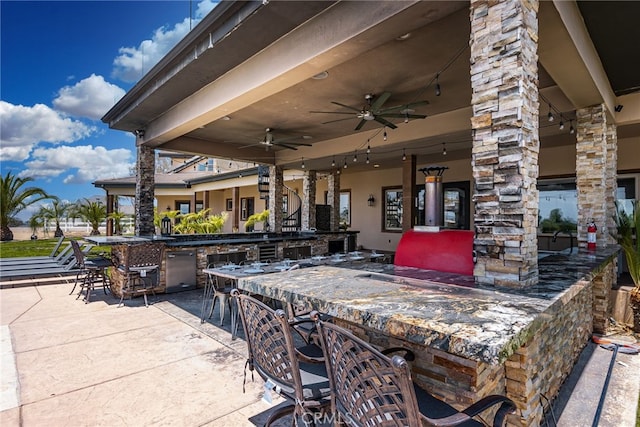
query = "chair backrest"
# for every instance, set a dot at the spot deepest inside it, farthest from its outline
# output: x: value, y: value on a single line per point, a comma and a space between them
x: 270, y: 343
x: 77, y: 253
x: 367, y: 387
x: 144, y: 255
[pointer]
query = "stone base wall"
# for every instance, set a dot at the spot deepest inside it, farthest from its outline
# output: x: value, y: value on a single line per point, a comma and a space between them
x: 540, y: 366
x: 319, y: 245
x: 536, y: 369
x: 602, y: 305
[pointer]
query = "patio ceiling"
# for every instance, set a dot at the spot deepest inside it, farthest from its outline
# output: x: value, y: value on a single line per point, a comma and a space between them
x: 216, y: 99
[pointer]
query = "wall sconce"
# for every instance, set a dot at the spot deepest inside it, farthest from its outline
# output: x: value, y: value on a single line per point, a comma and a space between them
x: 371, y: 200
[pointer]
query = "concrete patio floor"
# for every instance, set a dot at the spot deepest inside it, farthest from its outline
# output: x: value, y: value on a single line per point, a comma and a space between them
x: 69, y: 363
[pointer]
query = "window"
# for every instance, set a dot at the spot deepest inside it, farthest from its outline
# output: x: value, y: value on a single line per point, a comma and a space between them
x: 229, y: 204
x: 345, y: 208
x: 392, y: 215
x: 199, y: 206
x: 246, y: 208
x: 183, y: 206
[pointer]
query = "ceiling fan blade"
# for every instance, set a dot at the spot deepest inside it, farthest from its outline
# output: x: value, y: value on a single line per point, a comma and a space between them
x: 332, y: 112
x: 290, y: 147
x: 403, y: 116
x: 404, y: 106
x: 250, y: 145
x: 346, y: 106
x: 338, y: 120
x: 297, y: 144
x: 385, y: 122
x: 362, y: 122
x: 379, y: 102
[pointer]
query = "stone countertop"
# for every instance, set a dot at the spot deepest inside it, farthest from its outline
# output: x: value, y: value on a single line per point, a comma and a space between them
x: 435, y: 309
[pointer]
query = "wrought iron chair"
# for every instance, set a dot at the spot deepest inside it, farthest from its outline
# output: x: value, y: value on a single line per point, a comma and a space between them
x: 217, y: 288
x: 369, y: 388
x: 296, y: 373
x: 91, y: 272
x: 141, y: 270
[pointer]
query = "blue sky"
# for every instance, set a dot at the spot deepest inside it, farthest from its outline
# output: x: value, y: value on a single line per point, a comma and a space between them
x: 63, y: 66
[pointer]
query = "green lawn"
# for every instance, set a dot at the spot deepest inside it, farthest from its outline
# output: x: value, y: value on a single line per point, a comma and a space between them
x: 40, y: 247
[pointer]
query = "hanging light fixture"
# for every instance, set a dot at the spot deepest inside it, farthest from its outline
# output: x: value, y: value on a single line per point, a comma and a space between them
x: 367, y: 161
x: 345, y: 162
x: 384, y: 134
x: 438, y: 91
x: 550, y: 115
x: 333, y: 162
x: 302, y: 165
x: 561, y: 124
x: 572, y: 130
x: 404, y: 156
x: 444, y: 149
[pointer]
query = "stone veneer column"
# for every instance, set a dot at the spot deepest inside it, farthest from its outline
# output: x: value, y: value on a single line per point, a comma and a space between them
x: 276, y: 186
x: 611, y: 172
x: 504, y: 82
x: 333, y: 199
x: 409, y: 192
x: 593, y: 180
x: 145, y: 183
x: 309, y: 200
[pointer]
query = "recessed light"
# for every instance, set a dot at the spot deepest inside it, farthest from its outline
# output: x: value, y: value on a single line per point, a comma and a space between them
x: 376, y: 165
x: 321, y: 76
x: 226, y: 118
x: 403, y: 37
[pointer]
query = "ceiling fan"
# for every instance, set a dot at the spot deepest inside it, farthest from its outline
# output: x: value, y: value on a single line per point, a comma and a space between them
x: 269, y: 141
x: 372, y: 110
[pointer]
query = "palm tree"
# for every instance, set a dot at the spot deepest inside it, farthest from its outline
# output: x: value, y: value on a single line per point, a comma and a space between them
x: 117, y: 218
x: 55, y: 212
x: 92, y: 212
x: 14, y: 198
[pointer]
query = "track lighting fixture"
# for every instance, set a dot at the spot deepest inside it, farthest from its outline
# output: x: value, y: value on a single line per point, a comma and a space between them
x: 404, y: 156
x: 438, y: 91
x: 444, y: 149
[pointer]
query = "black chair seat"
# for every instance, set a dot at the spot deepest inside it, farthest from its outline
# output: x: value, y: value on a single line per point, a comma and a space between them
x: 434, y: 408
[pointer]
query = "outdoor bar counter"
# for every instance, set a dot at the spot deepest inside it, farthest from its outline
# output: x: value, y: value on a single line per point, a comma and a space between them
x: 470, y: 341
x: 208, y: 247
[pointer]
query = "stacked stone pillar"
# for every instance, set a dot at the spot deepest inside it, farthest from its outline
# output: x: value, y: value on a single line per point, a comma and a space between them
x: 309, y: 200
x: 596, y: 160
x: 276, y: 185
x: 333, y: 199
x: 145, y: 187
x: 504, y: 81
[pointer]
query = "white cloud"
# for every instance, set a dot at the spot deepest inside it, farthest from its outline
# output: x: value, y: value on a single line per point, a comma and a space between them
x: 21, y: 128
x: 90, y: 163
x: 132, y: 62
x: 91, y: 97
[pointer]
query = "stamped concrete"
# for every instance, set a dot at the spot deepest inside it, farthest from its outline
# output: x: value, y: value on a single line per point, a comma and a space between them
x: 65, y: 362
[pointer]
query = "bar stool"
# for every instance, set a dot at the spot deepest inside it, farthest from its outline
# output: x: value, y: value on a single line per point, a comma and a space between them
x: 141, y: 270
x: 91, y: 272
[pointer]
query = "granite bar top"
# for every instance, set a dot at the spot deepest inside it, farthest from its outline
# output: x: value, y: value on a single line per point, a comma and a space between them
x: 440, y: 310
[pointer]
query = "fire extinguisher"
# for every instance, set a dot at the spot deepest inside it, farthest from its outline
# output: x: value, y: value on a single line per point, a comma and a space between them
x: 591, y: 235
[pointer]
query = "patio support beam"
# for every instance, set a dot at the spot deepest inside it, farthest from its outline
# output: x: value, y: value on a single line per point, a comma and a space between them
x: 235, y: 213
x: 504, y: 82
x: 409, y: 192
x: 276, y: 187
x: 110, y: 209
x: 145, y: 187
x: 309, y: 200
x: 333, y: 199
x: 596, y: 160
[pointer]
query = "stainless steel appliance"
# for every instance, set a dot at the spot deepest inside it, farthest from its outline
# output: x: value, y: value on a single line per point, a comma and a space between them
x: 181, y: 270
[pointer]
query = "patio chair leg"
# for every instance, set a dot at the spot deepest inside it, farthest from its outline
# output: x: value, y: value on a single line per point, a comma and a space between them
x: 222, y: 303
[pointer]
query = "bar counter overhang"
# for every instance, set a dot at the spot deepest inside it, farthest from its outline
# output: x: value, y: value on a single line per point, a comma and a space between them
x: 522, y: 342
